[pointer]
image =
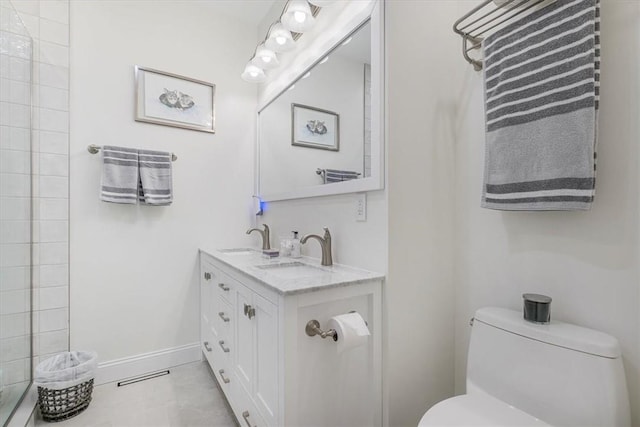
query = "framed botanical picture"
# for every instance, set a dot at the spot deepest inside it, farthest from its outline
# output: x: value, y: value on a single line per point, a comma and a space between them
x: 315, y: 128
x: 172, y: 100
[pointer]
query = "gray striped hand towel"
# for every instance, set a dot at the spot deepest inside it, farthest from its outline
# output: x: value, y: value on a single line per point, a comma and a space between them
x: 119, y: 175
x: 541, y: 81
x: 156, y: 183
x: 336, y: 175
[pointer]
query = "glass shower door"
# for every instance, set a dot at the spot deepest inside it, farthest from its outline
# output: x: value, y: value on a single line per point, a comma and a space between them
x: 15, y: 211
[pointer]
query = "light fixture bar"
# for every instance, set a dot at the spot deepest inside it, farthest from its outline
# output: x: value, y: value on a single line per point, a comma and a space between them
x: 282, y: 37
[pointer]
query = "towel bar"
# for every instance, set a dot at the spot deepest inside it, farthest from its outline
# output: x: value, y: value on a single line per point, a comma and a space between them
x: 95, y: 149
x: 489, y: 15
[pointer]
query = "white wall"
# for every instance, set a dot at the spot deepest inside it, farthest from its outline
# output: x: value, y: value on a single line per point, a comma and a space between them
x: 134, y: 268
x: 588, y: 262
x: 419, y: 294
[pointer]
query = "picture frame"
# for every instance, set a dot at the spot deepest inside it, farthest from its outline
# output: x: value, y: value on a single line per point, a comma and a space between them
x: 315, y: 128
x: 169, y: 99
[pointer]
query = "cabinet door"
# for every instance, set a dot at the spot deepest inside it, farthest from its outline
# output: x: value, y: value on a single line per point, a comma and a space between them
x: 209, y: 301
x: 205, y: 299
x: 206, y: 339
x: 244, y: 338
x: 266, y: 353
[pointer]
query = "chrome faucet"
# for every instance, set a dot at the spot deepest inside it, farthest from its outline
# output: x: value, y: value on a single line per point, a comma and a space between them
x: 325, y: 244
x: 266, y: 239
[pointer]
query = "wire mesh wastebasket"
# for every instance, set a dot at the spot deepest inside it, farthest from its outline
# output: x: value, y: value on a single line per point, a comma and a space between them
x: 65, y: 384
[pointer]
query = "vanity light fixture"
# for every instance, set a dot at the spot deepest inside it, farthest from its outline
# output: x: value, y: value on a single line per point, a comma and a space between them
x: 265, y: 58
x: 297, y: 16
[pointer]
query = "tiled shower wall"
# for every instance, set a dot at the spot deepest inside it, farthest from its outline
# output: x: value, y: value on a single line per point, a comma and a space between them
x: 47, y: 22
x: 15, y: 208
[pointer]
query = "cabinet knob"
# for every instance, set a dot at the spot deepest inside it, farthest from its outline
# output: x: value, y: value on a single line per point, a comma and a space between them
x: 207, y: 346
x: 223, y: 317
x: 207, y: 275
x: 223, y: 287
x: 249, y: 311
x: 225, y: 349
x: 224, y: 379
x: 245, y: 415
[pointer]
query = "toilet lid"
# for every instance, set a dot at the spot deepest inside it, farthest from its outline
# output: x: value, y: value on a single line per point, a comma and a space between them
x: 477, y: 410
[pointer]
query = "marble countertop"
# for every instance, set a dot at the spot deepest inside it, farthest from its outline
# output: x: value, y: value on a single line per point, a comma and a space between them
x: 285, y: 277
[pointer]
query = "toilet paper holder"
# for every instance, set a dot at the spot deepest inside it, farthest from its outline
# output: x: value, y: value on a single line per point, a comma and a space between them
x: 313, y: 328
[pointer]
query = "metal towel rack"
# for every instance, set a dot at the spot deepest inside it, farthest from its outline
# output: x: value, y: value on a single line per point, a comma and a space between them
x: 475, y: 25
x: 95, y: 149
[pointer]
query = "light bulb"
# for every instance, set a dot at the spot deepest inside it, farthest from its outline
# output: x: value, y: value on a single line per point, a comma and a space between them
x: 299, y: 16
x: 280, y: 39
x: 265, y: 58
x: 306, y: 75
x: 347, y: 41
x: 253, y: 74
x: 326, y: 58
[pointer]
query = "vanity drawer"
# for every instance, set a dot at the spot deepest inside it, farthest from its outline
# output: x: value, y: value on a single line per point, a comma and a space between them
x: 206, y: 345
x: 247, y: 412
x: 223, y: 350
x: 225, y: 318
x: 225, y: 288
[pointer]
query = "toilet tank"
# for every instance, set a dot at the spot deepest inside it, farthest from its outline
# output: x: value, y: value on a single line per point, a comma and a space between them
x: 563, y: 374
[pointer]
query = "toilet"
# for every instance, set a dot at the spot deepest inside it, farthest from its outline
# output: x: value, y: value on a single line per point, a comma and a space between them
x: 521, y: 373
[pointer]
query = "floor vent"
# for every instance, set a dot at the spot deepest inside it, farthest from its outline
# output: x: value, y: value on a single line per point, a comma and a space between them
x: 144, y: 377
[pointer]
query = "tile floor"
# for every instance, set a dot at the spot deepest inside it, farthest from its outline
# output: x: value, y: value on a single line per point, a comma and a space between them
x: 188, y: 397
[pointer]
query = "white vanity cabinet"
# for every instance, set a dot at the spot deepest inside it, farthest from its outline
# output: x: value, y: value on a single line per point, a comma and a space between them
x: 272, y: 373
x: 229, y: 322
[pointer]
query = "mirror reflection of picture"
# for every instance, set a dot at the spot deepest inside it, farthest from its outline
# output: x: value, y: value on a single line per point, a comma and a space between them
x: 315, y: 128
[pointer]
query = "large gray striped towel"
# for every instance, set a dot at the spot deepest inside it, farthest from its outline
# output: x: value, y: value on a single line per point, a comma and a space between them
x: 541, y: 81
x: 119, y: 175
x: 156, y: 186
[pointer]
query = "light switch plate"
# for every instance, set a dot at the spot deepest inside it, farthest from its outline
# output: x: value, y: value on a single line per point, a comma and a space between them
x: 361, y: 207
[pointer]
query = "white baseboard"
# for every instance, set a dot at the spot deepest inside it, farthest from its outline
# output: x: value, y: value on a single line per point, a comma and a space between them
x: 140, y: 364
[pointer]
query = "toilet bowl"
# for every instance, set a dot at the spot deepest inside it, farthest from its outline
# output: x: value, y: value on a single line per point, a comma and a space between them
x: 526, y: 374
x: 477, y: 410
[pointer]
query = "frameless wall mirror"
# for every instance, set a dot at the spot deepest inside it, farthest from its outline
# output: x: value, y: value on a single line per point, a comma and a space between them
x: 322, y: 134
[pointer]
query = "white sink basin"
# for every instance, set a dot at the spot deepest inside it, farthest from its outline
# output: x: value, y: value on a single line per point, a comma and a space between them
x: 292, y: 270
x: 238, y: 251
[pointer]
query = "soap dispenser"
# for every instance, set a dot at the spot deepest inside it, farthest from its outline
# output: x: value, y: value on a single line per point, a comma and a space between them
x: 295, y: 246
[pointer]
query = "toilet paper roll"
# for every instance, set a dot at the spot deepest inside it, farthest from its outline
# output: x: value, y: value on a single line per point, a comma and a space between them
x: 352, y: 330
